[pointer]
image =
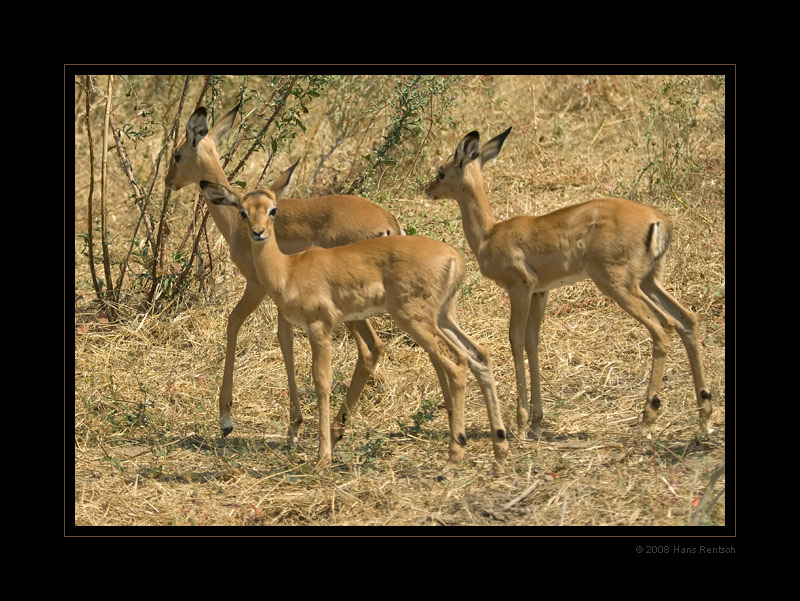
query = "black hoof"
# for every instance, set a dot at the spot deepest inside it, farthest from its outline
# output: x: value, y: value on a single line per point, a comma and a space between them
x: 226, y: 431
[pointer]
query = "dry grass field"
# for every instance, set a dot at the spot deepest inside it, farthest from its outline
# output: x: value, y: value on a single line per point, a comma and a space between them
x: 149, y: 353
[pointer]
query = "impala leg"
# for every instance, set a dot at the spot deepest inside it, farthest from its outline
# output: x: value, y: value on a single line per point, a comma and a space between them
x: 535, y: 317
x: 319, y: 336
x: 451, y: 369
x: 370, y: 348
x: 639, y: 306
x: 454, y: 387
x: 520, y: 308
x: 253, y: 295
x: 286, y: 340
x: 686, y: 325
x: 481, y: 367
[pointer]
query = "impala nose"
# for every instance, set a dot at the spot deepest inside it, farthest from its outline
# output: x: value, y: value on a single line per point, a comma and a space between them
x: 260, y: 235
x: 171, y: 184
x: 429, y: 191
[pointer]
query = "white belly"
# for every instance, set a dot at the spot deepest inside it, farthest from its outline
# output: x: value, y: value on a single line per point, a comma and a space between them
x: 361, y: 315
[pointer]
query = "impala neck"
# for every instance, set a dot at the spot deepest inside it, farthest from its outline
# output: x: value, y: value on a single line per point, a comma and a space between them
x: 272, y: 266
x: 476, y: 214
x: 227, y: 219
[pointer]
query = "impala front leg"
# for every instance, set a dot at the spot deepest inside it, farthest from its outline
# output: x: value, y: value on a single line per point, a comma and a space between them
x: 520, y: 307
x: 319, y: 336
x: 286, y: 340
x: 253, y: 295
x: 535, y: 316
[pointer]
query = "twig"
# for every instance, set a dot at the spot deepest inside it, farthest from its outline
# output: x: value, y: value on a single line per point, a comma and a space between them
x: 267, y: 124
x: 419, y: 152
x: 669, y: 486
x: 162, y: 222
x: 522, y: 495
x: 103, y: 178
x: 686, y: 204
x: 127, y: 168
x: 89, y: 221
x: 709, y: 487
x: 188, y: 266
x: 139, y: 195
x: 202, y: 92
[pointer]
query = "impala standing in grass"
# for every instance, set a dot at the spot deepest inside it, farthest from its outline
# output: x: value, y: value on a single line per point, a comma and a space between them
x: 618, y: 243
x: 414, y: 279
x: 320, y: 221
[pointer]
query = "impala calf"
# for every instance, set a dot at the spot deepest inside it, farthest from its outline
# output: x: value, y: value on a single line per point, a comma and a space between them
x: 322, y: 221
x: 617, y: 243
x: 413, y: 279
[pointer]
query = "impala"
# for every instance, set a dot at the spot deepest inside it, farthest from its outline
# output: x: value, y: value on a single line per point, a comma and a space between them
x: 321, y: 221
x: 413, y: 279
x: 617, y: 243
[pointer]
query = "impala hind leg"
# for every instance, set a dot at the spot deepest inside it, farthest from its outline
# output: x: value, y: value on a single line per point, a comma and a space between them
x: 686, y: 325
x: 251, y: 299
x: 452, y: 374
x: 370, y: 348
x: 481, y: 367
x: 450, y: 364
x: 634, y: 301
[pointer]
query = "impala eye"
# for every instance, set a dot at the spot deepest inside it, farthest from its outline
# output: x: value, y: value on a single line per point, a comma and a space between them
x: 441, y: 173
x: 272, y: 212
x: 177, y: 157
x: 243, y: 214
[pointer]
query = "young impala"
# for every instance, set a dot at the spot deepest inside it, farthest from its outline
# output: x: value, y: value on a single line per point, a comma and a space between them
x: 321, y: 221
x: 413, y: 279
x: 617, y: 243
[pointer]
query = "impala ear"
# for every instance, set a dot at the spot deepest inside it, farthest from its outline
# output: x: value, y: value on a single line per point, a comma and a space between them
x: 493, y: 146
x: 281, y: 183
x: 197, y: 126
x: 468, y: 149
x: 219, y: 195
x: 224, y: 125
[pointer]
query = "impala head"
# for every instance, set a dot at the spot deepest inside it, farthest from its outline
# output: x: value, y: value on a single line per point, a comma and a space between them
x: 460, y: 171
x: 196, y: 157
x: 257, y: 208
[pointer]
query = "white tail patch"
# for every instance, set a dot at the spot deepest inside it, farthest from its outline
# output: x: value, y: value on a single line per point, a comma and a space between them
x: 658, y: 241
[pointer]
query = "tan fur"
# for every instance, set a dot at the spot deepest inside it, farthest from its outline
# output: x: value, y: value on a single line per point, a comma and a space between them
x: 617, y: 243
x: 322, y: 221
x: 414, y: 279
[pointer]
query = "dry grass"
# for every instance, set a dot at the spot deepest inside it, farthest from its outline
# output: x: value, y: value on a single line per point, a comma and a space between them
x: 148, y: 451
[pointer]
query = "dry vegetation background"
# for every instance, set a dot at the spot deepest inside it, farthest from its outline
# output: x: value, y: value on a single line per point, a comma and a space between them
x: 149, y: 353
